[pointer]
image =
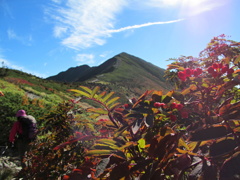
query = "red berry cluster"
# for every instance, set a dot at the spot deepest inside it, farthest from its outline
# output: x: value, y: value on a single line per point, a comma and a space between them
x: 176, y: 106
x: 188, y: 73
x: 158, y: 105
x: 218, y: 69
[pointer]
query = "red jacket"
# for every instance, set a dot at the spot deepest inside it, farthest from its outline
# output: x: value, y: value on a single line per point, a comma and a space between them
x: 16, y: 129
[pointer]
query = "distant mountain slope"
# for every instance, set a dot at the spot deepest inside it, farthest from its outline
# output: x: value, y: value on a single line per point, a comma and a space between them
x: 71, y: 75
x: 123, y: 71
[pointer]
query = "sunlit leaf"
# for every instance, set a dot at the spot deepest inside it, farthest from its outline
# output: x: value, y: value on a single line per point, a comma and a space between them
x: 97, y: 110
x: 188, y: 90
x: 141, y: 143
x: 121, y: 130
x: 80, y: 92
x: 112, y: 101
x: 94, y: 91
x: 86, y: 89
x: 128, y: 144
x: 107, y: 96
x: 102, y: 94
x: 113, y: 106
x: 106, y: 141
x: 157, y: 96
x: 98, y: 152
x: 182, y: 143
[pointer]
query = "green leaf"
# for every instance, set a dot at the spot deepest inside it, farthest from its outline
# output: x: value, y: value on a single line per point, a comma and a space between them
x: 99, y: 152
x: 121, y: 130
x: 107, y: 97
x: 86, y: 89
x: 97, y: 110
x: 103, y: 147
x: 102, y: 94
x: 80, y: 92
x: 141, y: 143
x: 95, y: 90
x: 112, y: 101
x: 114, y: 105
x: 107, y: 141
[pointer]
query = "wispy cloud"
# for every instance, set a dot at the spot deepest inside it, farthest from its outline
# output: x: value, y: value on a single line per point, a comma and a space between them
x: 85, y: 23
x: 5, y: 9
x: 27, y: 40
x: 142, y: 25
x: 85, y: 59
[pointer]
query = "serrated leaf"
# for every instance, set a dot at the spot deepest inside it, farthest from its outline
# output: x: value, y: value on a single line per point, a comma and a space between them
x: 80, y: 92
x: 102, y: 94
x: 128, y: 144
x: 94, y: 91
x: 86, y: 89
x: 98, y: 152
x: 121, y: 130
x: 107, y: 97
x: 97, y: 110
x: 113, y: 106
x: 109, y: 142
x: 102, y: 147
x: 112, y: 101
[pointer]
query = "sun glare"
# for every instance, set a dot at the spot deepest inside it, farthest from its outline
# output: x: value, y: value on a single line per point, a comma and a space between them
x: 189, y: 3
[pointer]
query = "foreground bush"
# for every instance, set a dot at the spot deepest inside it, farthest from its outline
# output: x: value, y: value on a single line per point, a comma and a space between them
x: 191, y: 132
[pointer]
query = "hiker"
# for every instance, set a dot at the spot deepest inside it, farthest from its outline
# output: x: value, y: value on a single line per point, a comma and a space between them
x: 23, y: 132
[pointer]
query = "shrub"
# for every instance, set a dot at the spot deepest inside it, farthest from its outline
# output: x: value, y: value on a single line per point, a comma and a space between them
x: 191, y: 132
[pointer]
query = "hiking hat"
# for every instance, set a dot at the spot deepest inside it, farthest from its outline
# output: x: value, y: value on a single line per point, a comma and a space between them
x: 21, y: 113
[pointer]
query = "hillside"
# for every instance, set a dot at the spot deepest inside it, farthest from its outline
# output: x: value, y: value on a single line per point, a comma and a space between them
x: 129, y: 74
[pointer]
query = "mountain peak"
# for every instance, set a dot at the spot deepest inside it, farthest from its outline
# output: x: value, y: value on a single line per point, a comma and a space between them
x: 123, y: 70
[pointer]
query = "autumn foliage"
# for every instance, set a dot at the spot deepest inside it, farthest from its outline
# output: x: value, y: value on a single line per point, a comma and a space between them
x: 191, y: 132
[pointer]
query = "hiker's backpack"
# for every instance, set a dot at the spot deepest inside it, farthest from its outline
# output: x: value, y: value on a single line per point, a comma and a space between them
x: 29, y: 127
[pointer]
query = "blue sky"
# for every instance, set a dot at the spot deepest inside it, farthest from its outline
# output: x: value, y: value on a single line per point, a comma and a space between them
x: 45, y: 37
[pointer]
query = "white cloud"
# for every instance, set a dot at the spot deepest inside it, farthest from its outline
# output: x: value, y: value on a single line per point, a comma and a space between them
x: 85, y: 59
x: 26, y: 40
x: 59, y: 31
x: 143, y: 25
x: 85, y: 23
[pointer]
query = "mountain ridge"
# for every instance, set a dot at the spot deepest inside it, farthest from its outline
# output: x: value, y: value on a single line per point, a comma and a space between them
x: 123, y: 70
